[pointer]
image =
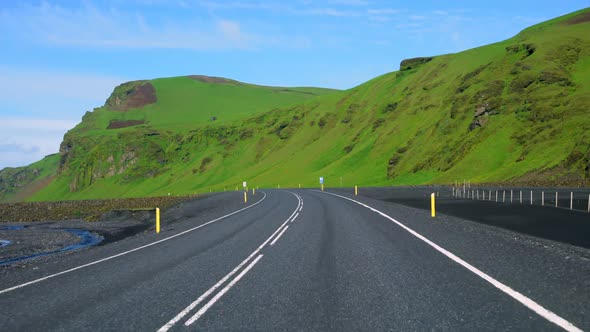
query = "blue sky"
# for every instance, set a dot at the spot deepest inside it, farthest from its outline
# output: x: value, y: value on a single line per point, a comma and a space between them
x: 60, y: 59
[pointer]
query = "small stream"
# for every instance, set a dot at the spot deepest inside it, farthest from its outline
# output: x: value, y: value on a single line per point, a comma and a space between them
x: 87, y: 239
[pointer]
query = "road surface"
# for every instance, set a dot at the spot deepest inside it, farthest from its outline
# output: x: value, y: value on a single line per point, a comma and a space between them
x: 307, y: 260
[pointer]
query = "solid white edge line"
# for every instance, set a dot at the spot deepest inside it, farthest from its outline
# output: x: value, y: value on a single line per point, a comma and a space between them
x: 194, y: 304
x: 297, y: 215
x: 279, y: 236
x: 128, y: 251
x: 527, y: 302
x: 217, y: 296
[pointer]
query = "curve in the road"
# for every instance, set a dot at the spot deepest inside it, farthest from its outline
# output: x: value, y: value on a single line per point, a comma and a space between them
x: 527, y: 302
x: 280, y: 230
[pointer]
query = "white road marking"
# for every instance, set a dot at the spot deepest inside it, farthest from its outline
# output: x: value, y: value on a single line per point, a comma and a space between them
x: 527, y: 302
x: 201, y: 298
x: 297, y: 215
x: 209, y: 304
x: 128, y: 251
x: 279, y: 236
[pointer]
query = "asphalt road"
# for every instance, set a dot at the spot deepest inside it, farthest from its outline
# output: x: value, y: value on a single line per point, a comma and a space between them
x: 307, y: 260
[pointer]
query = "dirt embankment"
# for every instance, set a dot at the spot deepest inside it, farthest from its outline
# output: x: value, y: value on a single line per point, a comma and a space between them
x: 582, y: 18
x: 132, y: 95
x: 115, y: 124
x: 83, y: 209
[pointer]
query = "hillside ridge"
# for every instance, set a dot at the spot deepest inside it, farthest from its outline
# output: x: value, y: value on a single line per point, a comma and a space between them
x: 509, y: 112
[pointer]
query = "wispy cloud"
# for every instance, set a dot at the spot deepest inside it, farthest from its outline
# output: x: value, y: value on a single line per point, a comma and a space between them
x: 350, y: 2
x: 418, y: 17
x: 90, y: 26
x: 383, y: 11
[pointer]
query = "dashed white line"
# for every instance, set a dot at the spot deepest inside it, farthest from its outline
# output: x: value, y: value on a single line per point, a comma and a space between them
x: 527, y: 302
x: 128, y: 251
x: 209, y: 304
x: 279, y: 236
x: 297, y: 215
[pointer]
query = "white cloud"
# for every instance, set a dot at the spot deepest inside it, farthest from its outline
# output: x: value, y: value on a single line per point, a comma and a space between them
x: 26, y: 140
x: 38, y: 106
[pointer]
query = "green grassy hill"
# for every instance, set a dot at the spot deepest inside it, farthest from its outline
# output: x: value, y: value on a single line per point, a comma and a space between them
x: 514, y: 112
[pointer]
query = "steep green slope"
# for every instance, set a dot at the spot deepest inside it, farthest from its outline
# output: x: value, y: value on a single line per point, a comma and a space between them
x: 514, y: 111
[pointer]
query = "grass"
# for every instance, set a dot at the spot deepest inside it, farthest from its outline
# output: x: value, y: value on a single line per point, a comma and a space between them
x: 533, y: 126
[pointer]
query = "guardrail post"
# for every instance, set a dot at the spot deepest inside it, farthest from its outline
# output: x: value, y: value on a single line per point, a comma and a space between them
x: 432, y: 205
x: 157, y: 220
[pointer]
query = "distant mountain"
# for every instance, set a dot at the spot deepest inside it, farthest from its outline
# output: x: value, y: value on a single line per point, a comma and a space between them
x: 516, y: 111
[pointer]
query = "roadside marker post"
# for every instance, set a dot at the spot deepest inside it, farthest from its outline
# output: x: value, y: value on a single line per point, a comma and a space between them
x: 496, y: 196
x: 556, y: 199
x: 521, y: 197
x: 432, y: 205
x: 542, y: 198
x: 503, y: 196
x: 253, y: 191
x: 300, y: 186
x: 490, y: 195
x: 588, y: 203
x: 356, y: 190
x: 245, y: 197
x: 531, y: 197
x: 572, y: 200
x: 322, y: 182
x: 510, y: 196
x: 157, y: 220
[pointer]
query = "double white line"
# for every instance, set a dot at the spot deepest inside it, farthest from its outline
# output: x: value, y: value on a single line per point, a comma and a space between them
x: 223, y: 280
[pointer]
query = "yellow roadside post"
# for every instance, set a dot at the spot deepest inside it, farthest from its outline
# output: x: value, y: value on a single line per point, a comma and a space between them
x: 322, y: 187
x: 157, y: 220
x: 253, y: 191
x: 245, y: 197
x: 356, y: 190
x: 432, y: 205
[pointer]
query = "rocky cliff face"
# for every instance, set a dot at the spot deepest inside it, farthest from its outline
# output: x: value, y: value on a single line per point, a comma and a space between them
x: 13, y: 180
